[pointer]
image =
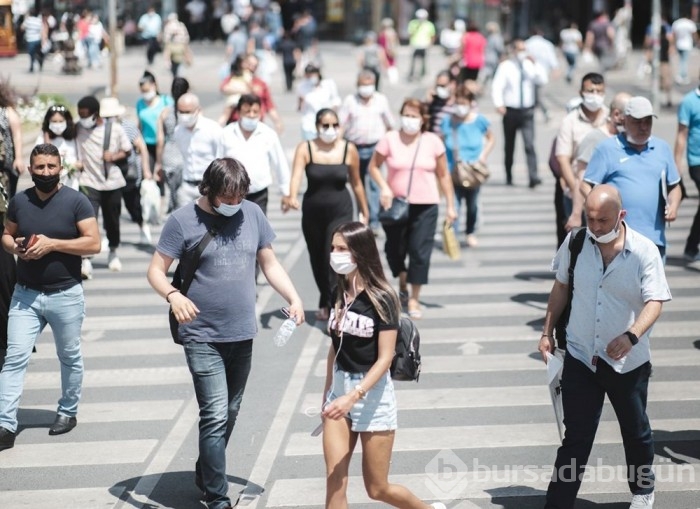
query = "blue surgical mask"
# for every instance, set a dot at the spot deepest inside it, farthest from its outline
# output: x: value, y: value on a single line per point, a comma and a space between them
x: 228, y: 210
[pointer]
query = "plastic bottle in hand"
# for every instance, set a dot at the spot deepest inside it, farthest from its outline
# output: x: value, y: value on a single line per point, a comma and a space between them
x: 286, y: 330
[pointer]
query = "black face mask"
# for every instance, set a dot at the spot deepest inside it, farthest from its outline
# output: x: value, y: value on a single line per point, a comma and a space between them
x: 46, y: 183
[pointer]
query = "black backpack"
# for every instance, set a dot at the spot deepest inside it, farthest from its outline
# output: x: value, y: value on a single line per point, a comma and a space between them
x: 406, y: 364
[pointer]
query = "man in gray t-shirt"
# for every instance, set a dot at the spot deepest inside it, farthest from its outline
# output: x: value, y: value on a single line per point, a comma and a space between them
x: 217, y: 317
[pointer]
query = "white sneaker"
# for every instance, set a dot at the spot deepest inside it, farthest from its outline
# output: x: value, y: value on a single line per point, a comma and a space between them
x: 145, y: 238
x: 438, y: 505
x: 113, y: 262
x: 643, y: 501
x: 105, y: 245
x: 86, y: 269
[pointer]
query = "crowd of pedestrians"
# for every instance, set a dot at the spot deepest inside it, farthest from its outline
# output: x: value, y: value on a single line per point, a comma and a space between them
x: 357, y: 156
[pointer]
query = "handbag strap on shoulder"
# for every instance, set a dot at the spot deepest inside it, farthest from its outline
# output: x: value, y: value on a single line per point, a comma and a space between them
x: 413, y: 165
x: 455, y: 146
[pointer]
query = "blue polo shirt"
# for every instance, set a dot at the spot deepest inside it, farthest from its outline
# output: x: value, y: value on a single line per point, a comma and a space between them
x: 638, y: 176
x: 689, y: 116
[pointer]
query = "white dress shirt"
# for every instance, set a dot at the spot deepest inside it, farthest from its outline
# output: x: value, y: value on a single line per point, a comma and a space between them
x: 199, y: 146
x: 505, y: 89
x: 260, y: 154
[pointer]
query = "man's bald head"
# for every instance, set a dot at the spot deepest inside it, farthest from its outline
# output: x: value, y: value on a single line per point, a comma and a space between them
x: 188, y: 103
x: 603, y: 196
x: 619, y: 102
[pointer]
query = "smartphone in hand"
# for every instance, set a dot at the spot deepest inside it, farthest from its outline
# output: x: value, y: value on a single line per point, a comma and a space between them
x: 29, y: 241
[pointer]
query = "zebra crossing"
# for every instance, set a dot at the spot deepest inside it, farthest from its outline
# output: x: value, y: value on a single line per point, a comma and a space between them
x: 477, y: 431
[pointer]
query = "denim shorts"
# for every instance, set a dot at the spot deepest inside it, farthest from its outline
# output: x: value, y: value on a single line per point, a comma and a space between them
x: 376, y: 411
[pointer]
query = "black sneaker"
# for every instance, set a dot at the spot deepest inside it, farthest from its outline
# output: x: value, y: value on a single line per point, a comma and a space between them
x: 7, y: 439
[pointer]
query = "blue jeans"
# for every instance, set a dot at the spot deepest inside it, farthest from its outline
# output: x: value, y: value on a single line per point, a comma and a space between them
x: 219, y: 372
x: 471, y: 198
x: 30, y: 311
x: 371, y: 187
x: 583, y: 393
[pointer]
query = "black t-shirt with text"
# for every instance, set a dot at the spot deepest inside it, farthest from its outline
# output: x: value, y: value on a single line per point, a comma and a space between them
x: 56, y: 218
x: 361, y: 326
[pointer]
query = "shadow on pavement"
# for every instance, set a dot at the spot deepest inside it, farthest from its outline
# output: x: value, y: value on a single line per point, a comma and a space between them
x: 529, y: 498
x: 34, y: 418
x: 167, y: 497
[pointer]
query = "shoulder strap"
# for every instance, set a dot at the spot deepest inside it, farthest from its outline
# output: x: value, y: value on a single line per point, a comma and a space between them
x: 575, y: 247
x: 413, y: 165
x: 345, y: 152
x: 455, y: 146
x: 201, y: 246
x: 311, y: 156
x: 105, y: 145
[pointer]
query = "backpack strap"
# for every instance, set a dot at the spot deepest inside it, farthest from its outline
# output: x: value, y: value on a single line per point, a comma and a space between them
x: 578, y: 237
x: 105, y: 146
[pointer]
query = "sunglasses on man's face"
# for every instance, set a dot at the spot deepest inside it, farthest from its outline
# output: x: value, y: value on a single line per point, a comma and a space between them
x: 328, y: 126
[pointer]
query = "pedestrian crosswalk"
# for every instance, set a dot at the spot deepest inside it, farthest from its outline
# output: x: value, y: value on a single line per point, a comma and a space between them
x: 478, y: 430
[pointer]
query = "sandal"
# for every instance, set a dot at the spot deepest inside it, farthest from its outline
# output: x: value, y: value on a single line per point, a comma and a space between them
x: 415, y: 314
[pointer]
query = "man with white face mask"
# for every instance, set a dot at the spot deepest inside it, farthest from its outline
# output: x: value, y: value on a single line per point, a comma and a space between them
x: 366, y: 117
x: 619, y: 288
x: 642, y: 167
x: 257, y: 147
x: 514, y: 95
x: 101, y: 179
x: 217, y: 317
x: 199, y: 141
x: 591, y: 114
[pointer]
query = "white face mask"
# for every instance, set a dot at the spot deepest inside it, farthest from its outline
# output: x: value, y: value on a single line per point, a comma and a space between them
x: 620, y: 128
x: 248, y: 123
x: 633, y: 141
x: 58, y: 127
x: 365, y: 91
x: 442, y: 92
x: 522, y: 55
x: 329, y: 135
x: 410, y: 125
x: 228, y: 210
x: 187, y: 119
x: 593, y: 102
x: 148, y: 96
x: 88, y: 123
x: 314, y: 80
x: 462, y: 110
x: 341, y: 262
x: 608, y: 237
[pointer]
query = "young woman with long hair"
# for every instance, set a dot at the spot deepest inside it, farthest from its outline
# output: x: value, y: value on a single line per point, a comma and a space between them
x: 359, y: 400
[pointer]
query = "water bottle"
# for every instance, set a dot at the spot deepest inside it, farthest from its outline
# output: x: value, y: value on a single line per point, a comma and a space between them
x: 285, y: 332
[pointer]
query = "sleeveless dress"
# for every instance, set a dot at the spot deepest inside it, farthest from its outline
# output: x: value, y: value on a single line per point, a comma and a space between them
x: 327, y: 204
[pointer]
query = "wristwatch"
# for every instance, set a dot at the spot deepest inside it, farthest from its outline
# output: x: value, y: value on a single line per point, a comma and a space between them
x: 633, y: 337
x: 361, y: 390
